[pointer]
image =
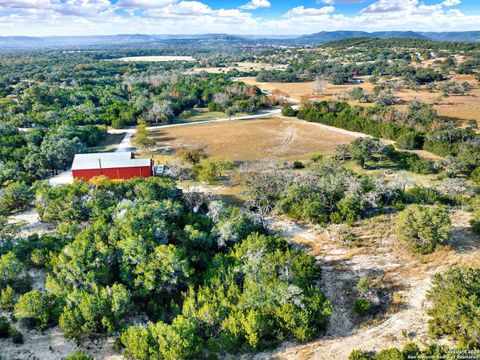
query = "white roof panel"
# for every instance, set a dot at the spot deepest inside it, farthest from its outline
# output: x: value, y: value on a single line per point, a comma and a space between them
x: 107, y: 161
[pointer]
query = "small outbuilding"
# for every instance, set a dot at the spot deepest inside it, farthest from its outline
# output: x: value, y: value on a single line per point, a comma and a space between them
x: 117, y: 165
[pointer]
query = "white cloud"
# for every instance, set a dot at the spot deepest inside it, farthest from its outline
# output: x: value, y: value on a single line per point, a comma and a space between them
x: 88, y: 17
x: 256, y: 4
x: 333, y: 2
x: 301, y: 11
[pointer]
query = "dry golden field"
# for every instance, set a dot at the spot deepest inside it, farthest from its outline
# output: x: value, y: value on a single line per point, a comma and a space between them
x: 463, y: 108
x: 276, y: 139
x: 242, y: 66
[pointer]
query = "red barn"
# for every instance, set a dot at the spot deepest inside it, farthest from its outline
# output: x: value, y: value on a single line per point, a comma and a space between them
x: 118, y: 165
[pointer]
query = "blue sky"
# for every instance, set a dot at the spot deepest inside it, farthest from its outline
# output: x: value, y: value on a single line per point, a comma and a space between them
x: 269, y: 17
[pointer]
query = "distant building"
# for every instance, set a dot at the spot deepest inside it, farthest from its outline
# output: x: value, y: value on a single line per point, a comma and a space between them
x: 118, y: 165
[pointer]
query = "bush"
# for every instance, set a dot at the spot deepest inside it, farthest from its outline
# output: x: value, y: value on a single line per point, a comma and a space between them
x: 424, y: 196
x: 475, y: 176
x: 17, y: 337
x: 424, y: 228
x: 475, y: 219
x: 455, y: 297
x: 36, y: 309
x: 362, y: 306
x: 350, y: 208
x: 16, y: 196
x: 12, y: 271
x: 298, y: 165
x: 119, y: 123
x: 209, y: 170
x: 7, y: 298
x: 4, y: 327
x: 409, y: 351
x: 389, y: 354
x: 360, y: 355
x: 409, y: 141
x: 79, y: 355
x: 289, y: 111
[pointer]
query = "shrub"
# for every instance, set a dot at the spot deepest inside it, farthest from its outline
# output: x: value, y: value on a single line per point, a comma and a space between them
x: 316, y: 158
x: 16, y: 196
x: 209, y: 170
x: 409, y: 141
x: 347, y: 237
x: 409, y: 351
x: 298, y: 165
x: 17, y: 337
x: 362, y: 306
x: 79, y: 355
x: 289, y: 111
x: 7, y: 298
x: 424, y: 228
x: 455, y: 297
x: 4, y: 327
x: 350, y: 208
x: 36, y: 309
x: 424, y: 196
x: 12, y: 272
x: 360, y: 355
x: 137, y: 341
x: 363, y: 285
x: 389, y: 354
x: 475, y: 219
x: 119, y: 123
x: 475, y: 176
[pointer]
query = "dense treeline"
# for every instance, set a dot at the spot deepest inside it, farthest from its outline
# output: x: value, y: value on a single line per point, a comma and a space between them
x: 208, y: 282
x: 418, y: 128
x: 87, y: 87
x: 415, y: 43
x: 339, y: 61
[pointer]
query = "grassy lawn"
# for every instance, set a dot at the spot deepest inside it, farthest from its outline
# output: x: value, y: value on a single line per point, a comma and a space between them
x: 108, y: 144
x: 202, y: 114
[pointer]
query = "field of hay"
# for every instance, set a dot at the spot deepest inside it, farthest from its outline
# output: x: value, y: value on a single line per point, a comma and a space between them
x: 458, y: 107
x: 276, y: 139
x: 242, y: 66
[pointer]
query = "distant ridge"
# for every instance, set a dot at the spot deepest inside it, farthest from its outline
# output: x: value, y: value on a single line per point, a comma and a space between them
x: 26, y: 42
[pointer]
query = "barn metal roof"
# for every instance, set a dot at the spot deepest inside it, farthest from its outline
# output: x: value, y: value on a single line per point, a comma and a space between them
x: 107, y: 161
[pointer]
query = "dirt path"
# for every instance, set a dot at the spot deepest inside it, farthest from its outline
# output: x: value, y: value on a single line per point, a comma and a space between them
x: 29, y: 222
x: 289, y: 138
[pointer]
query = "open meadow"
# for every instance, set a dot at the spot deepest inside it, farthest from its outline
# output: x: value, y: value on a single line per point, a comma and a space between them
x: 277, y: 139
x: 244, y: 66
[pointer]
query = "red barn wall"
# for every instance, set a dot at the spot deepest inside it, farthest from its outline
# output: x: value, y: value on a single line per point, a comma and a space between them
x: 114, y: 173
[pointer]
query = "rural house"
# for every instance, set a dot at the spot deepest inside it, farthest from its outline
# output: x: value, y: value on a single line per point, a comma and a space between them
x: 118, y: 165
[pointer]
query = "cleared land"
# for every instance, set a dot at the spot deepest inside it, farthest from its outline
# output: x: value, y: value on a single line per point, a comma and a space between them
x: 242, y: 66
x: 458, y: 107
x: 277, y: 139
x: 157, y: 58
